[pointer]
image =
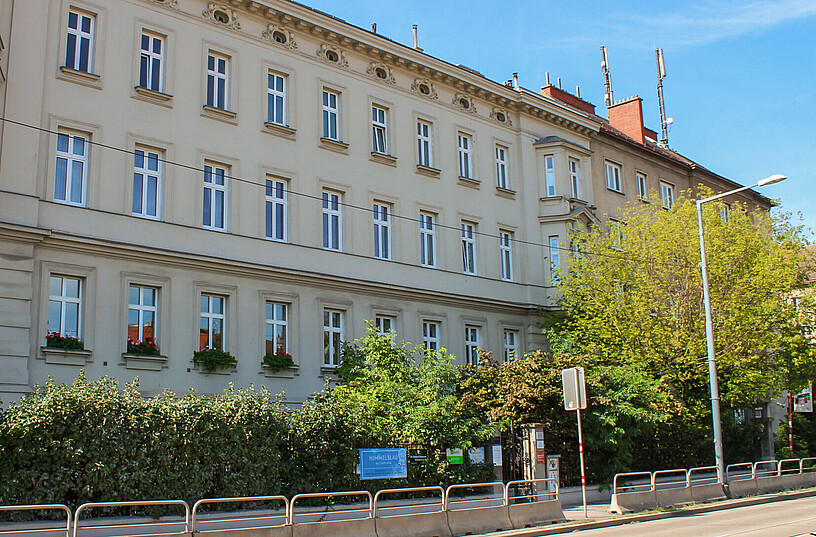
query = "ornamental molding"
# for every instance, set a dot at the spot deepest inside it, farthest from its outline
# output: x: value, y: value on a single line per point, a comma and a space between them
x: 464, y: 102
x: 501, y: 115
x: 424, y: 88
x: 280, y: 36
x: 221, y: 15
x: 376, y: 70
x: 332, y: 54
x: 172, y: 4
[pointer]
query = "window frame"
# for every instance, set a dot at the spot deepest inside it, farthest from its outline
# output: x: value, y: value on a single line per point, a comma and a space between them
x: 70, y: 159
x: 211, y: 317
x: 144, y: 172
x: 469, y: 230
x: 278, y: 200
x: 214, y: 188
x: 549, y: 176
x: 506, y: 254
x: 273, y: 94
x: 329, y: 113
x: 642, y: 191
x: 141, y: 308
x: 332, y: 218
x: 511, y: 350
x: 425, y: 143
x: 615, y: 181
x: 152, y: 57
x: 383, y: 238
x: 666, y: 194
x: 472, y: 346
x: 554, y: 246
x: 429, y: 342
x: 379, y: 323
x: 379, y: 126
x: 332, y: 351
x: 427, y: 239
x: 464, y: 144
x: 63, y: 300
x: 79, y: 34
x: 276, y: 323
x: 502, y: 166
x: 211, y: 89
x: 574, y: 170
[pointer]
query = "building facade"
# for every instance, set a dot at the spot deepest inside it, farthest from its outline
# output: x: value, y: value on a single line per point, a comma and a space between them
x: 261, y: 177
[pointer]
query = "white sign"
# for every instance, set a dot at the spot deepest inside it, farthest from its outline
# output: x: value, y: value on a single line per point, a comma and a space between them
x: 574, y: 385
x: 803, y: 401
x: 476, y: 455
x: 497, y: 455
x: 553, y: 471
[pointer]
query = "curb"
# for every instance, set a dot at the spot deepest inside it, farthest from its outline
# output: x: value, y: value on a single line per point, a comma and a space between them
x: 568, y: 527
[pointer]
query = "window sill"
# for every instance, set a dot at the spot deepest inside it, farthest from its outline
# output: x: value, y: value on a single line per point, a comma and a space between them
x: 328, y: 371
x: 421, y: 169
x: 334, y: 145
x: 152, y: 96
x: 285, y: 373
x: 145, y: 362
x: 470, y: 182
x: 644, y: 200
x: 615, y: 191
x: 284, y: 131
x: 505, y: 192
x: 382, y: 158
x: 220, y: 371
x: 80, y: 77
x: 65, y: 357
x: 220, y: 114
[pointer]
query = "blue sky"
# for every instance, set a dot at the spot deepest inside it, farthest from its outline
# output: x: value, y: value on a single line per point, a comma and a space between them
x: 741, y: 81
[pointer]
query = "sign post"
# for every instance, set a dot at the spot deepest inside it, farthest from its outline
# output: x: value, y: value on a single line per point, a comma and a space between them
x: 574, y: 386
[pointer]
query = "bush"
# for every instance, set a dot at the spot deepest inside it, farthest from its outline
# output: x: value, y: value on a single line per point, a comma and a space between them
x: 55, y: 341
x: 280, y: 360
x: 213, y: 359
x: 147, y: 347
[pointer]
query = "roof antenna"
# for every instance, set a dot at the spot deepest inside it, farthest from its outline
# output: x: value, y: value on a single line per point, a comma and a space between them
x: 661, y: 74
x: 607, y: 78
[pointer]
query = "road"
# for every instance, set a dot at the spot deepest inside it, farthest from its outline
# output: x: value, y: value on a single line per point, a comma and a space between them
x: 789, y: 518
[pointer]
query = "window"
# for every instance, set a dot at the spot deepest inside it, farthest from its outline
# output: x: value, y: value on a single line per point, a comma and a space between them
x: 332, y: 220
x: 613, y: 176
x: 65, y: 306
x: 147, y: 173
x: 72, y: 165
x: 276, y: 99
x: 642, y: 193
x: 427, y: 233
x: 276, y: 209
x: 424, y: 141
x: 142, y: 312
x: 549, y: 175
x: 212, y: 322
x: 472, y: 344
x: 217, y: 81
x: 511, y: 348
x: 506, y: 254
x: 502, y: 179
x: 385, y: 323
x: 382, y: 231
x: 330, y: 111
x: 79, y: 50
x: 215, y: 197
x: 465, y: 164
x: 151, y: 63
x: 667, y: 195
x: 725, y: 212
x: 468, y: 248
x: 380, y: 129
x: 333, y: 333
x: 430, y: 335
x: 575, y: 178
x: 555, y: 260
x: 277, y: 328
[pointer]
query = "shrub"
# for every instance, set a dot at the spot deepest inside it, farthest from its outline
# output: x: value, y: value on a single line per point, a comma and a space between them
x: 147, y: 347
x: 278, y: 361
x: 55, y: 341
x: 213, y: 359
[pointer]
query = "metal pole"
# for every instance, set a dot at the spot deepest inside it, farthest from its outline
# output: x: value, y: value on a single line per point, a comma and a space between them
x: 712, y: 364
x: 581, y: 453
x: 790, y: 423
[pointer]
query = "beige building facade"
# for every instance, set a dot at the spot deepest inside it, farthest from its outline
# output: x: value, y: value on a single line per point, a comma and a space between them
x: 261, y: 177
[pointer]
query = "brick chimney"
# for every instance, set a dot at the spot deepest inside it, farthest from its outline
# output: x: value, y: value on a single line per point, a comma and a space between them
x: 627, y: 116
x: 567, y: 98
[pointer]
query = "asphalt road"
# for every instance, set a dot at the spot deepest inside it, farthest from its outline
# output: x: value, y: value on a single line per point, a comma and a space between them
x: 789, y: 518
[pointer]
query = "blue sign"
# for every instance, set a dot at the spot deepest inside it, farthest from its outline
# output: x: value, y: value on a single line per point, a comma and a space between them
x: 385, y: 463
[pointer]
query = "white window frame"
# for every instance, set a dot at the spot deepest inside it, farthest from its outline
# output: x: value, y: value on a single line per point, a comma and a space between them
x: 555, y: 258
x: 431, y: 334
x: 141, y: 308
x: 427, y: 239
x: 641, y: 179
x: 80, y: 35
x: 465, y: 148
x: 332, y: 203
x: 146, y: 174
x: 380, y: 322
x: 511, y: 344
x: 63, y: 300
x: 218, y: 96
x: 549, y: 175
x: 276, y: 324
x: 331, y: 114
x: 506, y: 254
x: 276, y: 98
x: 211, y: 191
x: 151, y: 63
x: 382, y: 230
x: 332, y: 346
x: 379, y: 129
x: 725, y: 212
x: 473, y: 343
x: 613, y: 174
x: 425, y: 143
x: 575, y: 178
x: 502, y: 167
x: 667, y: 194
x: 71, y: 160
x: 212, y: 316
x: 468, y: 247
x: 276, y: 202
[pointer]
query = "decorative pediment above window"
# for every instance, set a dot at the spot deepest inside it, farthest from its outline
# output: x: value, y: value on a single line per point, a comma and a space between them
x: 221, y: 14
x: 280, y: 36
x: 381, y: 72
x: 172, y: 4
x: 425, y: 88
x: 464, y: 102
x: 501, y: 115
x: 333, y: 54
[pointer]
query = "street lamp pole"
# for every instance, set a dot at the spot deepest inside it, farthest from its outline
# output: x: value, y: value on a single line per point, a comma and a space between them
x: 709, y: 326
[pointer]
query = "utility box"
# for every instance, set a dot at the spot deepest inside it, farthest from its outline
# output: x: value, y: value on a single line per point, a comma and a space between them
x: 535, y: 455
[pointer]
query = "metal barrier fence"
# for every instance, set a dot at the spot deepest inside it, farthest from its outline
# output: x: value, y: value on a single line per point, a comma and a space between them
x: 532, y: 495
x: 146, y: 503
x: 349, y: 493
x: 210, y: 501
x: 44, y: 507
x: 708, y: 476
x: 470, y: 503
x: 397, y: 508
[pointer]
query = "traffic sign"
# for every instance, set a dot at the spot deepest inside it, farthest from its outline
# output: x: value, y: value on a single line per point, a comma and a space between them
x: 572, y: 380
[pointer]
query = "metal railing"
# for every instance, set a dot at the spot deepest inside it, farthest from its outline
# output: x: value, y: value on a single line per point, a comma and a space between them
x: 740, y: 476
x: 369, y: 510
x: 533, y: 494
x: 708, y: 476
x: 811, y: 468
x: 384, y: 492
x: 44, y: 507
x: 670, y: 484
x: 210, y: 501
x: 146, y: 503
x: 472, y: 503
x: 794, y: 470
x: 766, y: 473
x: 633, y: 486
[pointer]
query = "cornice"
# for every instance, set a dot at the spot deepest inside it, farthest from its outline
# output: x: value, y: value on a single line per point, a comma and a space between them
x: 21, y: 233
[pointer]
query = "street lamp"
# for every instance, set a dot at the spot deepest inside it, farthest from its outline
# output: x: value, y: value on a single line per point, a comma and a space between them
x: 712, y: 363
